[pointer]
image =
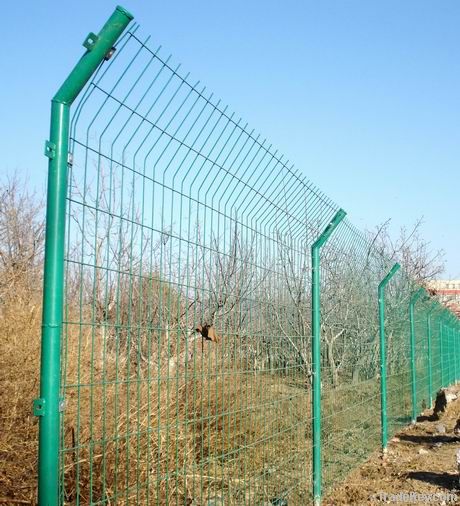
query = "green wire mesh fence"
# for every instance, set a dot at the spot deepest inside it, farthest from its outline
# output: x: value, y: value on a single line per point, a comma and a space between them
x: 186, y: 366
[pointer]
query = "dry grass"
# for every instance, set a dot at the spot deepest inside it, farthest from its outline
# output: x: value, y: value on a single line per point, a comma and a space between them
x: 20, y: 320
x: 168, y: 431
x: 190, y: 434
x: 202, y: 430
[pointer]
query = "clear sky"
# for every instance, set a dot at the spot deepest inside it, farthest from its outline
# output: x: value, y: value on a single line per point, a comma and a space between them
x: 364, y: 96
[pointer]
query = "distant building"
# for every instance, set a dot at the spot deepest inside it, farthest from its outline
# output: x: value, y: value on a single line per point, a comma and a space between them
x: 448, y: 292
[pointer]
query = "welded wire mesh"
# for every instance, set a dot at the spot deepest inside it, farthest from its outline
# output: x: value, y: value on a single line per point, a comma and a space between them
x: 181, y: 217
x: 350, y: 428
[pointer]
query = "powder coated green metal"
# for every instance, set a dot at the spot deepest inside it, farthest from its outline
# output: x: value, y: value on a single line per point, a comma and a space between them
x: 97, y: 50
x: 454, y: 350
x: 383, y: 367
x: 457, y: 344
x: 415, y: 297
x: 48, y: 405
x: 451, y: 355
x: 316, y: 350
x: 429, y: 358
x: 447, y: 353
x: 441, y: 348
x: 52, y: 307
x: 457, y: 365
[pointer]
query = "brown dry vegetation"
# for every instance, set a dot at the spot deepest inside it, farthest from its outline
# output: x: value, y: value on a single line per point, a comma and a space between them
x: 202, y: 433
x: 198, y: 452
x: 188, y: 436
x: 204, y: 420
x: 19, y: 351
x: 147, y: 412
x: 21, y: 238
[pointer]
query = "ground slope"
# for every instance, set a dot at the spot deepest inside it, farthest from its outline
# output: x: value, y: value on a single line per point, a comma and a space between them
x: 421, y: 459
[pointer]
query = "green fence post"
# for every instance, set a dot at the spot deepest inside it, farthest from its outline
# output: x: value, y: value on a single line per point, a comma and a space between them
x: 449, y: 350
x: 454, y: 330
x: 449, y: 354
x: 430, y: 365
x: 412, y: 303
x: 441, y: 349
x: 456, y: 354
x: 445, y: 351
x: 454, y: 336
x: 436, y: 324
x: 383, y: 361
x: 316, y: 350
x: 47, y: 407
x: 454, y: 351
x: 451, y: 339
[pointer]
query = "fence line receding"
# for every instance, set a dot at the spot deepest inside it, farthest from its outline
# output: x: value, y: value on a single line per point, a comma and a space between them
x: 186, y: 337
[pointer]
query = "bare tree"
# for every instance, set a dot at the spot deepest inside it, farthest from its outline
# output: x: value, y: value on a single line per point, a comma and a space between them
x: 410, y: 249
x: 21, y: 238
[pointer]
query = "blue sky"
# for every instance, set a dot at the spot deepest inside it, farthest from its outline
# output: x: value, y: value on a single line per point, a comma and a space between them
x: 364, y: 96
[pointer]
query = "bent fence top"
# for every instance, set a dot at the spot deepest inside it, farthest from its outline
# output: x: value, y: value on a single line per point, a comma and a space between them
x: 186, y: 339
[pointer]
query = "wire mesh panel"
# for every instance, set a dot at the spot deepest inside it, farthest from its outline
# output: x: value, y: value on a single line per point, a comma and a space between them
x: 349, y: 340
x: 398, y: 354
x: 186, y: 358
x: 421, y: 362
x: 436, y: 350
x: 351, y: 384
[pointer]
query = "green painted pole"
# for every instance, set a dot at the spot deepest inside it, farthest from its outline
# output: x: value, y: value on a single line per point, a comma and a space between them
x: 454, y: 331
x: 451, y: 340
x: 454, y: 351
x: 430, y: 364
x: 456, y: 354
x: 449, y: 353
x: 47, y: 407
x: 316, y: 350
x: 412, y: 303
x: 383, y: 359
x: 441, y: 348
x: 454, y: 335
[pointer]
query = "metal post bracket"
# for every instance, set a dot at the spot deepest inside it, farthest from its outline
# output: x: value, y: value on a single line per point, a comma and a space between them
x: 50, y: 149
x: 90, y: 41
x: 39, y: 407
x: 110, y: 53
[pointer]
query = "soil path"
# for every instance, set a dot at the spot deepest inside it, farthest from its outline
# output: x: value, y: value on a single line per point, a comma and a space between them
x: 421, y: 459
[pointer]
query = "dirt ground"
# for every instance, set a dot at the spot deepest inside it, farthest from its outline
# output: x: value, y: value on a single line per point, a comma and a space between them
x: 421, y: 459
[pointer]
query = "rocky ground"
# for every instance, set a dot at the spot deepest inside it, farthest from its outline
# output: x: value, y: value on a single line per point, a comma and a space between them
x: 421, y: 459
